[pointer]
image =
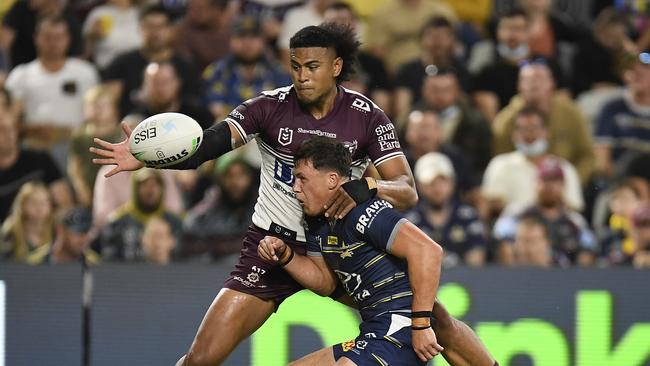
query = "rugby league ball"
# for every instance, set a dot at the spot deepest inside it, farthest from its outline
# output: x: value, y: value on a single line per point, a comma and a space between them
x: 165, y: 139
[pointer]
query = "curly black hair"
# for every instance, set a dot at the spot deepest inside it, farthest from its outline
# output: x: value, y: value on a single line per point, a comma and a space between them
x: 325, y: 153
x: 339, y: 37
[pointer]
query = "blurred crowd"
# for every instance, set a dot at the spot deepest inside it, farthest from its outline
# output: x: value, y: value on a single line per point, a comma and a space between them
x: 526, y: 123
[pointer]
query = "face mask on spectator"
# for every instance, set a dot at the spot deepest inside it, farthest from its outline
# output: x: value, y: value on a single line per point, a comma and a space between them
x: 517, y: 53
x: 535, y: 148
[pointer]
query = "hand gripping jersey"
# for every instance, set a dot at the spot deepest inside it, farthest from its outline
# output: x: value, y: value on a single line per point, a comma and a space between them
x: 279, y: 125
x: 357, y: 249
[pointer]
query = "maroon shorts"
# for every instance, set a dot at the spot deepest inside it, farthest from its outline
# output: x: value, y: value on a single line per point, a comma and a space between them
x: 254, y: 276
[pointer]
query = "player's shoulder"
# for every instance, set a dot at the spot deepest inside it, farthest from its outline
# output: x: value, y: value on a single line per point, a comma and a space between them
x: 360, y: 103
x: 364, y: 213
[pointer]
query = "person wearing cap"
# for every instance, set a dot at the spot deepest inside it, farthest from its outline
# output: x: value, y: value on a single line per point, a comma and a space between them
x: 510, y: 178
x: 571, y: 238
x: 71, y: 244
x: 622, y: 127
x: 121, y: 238
x: 244, y: 72
x: 456, y: 226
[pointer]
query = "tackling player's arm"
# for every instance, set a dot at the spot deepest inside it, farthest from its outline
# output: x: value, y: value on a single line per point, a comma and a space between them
x: 396, y: 186
x: 217, y: 140
x: 310, y: 271
x: 424, y: 258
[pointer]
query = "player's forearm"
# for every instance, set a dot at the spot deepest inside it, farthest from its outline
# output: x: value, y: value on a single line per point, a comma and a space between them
x: 424, y: 276
x: 400, y: 192
x: 307, y: 273
x: 217, y: 140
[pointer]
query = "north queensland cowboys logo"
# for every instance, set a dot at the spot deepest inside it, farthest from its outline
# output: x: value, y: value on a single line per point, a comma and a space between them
x: 285, y: 136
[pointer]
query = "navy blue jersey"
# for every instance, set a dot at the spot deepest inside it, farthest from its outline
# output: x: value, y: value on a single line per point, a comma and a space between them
x: 358, y: 250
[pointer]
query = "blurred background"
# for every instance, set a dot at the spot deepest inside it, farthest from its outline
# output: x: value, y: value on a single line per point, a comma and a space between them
x: 526, y: 124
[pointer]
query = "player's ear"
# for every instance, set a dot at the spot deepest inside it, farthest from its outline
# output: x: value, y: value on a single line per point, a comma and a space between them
x: 333, y: 181
x: 338, y: 66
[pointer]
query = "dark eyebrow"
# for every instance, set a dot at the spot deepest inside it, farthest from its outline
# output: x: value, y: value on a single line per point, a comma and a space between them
x: 308, y: 63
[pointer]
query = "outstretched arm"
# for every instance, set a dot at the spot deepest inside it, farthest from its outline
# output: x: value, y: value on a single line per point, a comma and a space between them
x: 310, y: 272
x: 217, y: 140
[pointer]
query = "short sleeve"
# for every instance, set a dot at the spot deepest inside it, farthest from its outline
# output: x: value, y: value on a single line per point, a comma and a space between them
x: 606, y: 131
x: 384, y: 143
x: 313, y: 246
x: 15, y: 82
x: 377, y: 223
x: 248, y: 117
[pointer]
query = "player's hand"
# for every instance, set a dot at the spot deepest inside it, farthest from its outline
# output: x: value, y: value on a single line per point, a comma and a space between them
x: 339, y: 204
x: 271, y: 249
x: 426, y: 344
x: 118, y: 154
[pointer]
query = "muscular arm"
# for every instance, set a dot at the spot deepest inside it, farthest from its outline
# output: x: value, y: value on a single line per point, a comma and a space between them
x: 397, y: 185
x: 424, y: 257
x: 217, y: 140
x: 310, y: 271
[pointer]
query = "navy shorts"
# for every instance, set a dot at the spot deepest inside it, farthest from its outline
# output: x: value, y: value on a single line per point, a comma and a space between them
x: 253, y: 275
x: 384, y: 340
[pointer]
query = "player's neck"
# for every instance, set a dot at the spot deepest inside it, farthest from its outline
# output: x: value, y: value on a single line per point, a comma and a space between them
x: 320, y: 108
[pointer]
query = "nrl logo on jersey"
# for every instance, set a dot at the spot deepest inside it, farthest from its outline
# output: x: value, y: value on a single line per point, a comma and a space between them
x: 285, y: 136
x: 361, y: 105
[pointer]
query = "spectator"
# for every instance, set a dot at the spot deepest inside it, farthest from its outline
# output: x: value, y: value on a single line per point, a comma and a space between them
x: 394, y: 29
x: 100, y: 120
x: 218, y: 223
x: 30, y: 224
x: 72, y: 241
x: 437, y: 43
x: 532, y: 247
x: 121, y: 238
x: 549, y: 28
x: 49, y: 91
x: 595, y: 64
x: 244, y: 73
x: 621, y: 126
x: 110, y: 30
x: 124, y: 75
x: 19, y: 165
x: 571, y: 239
x: 158, y: 241
x: 310, y: 13
x: 456, y: 226
x: 462, y: 125
x: 424, y: 135
x: 502, y: 188
x: 568, y: 133
x: 370, y: 78
x: 160, y: 93
x: 617, y: 242
x: 641, y: 236
x: 20, y: 23
x: 495, y: 66
x: 203, y: 33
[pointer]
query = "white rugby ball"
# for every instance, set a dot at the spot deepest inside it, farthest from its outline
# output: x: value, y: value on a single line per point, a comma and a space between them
x: 165, y: 139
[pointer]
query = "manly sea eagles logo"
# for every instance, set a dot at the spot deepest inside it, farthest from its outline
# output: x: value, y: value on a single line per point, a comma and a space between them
x: 285, y: 136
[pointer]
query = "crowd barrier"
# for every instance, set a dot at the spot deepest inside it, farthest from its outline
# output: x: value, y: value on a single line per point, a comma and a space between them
x: 147, y: 315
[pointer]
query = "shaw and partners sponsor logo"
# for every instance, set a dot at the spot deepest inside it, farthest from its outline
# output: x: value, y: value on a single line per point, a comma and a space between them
x: 317, y: 133
x: 369, y: 215
x: 386, y: 137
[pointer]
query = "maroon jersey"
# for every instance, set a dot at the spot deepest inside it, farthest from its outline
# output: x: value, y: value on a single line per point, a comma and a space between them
x: 279, y: 125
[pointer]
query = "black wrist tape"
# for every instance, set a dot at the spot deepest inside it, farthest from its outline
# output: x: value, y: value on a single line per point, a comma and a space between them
x: 359, y: 190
